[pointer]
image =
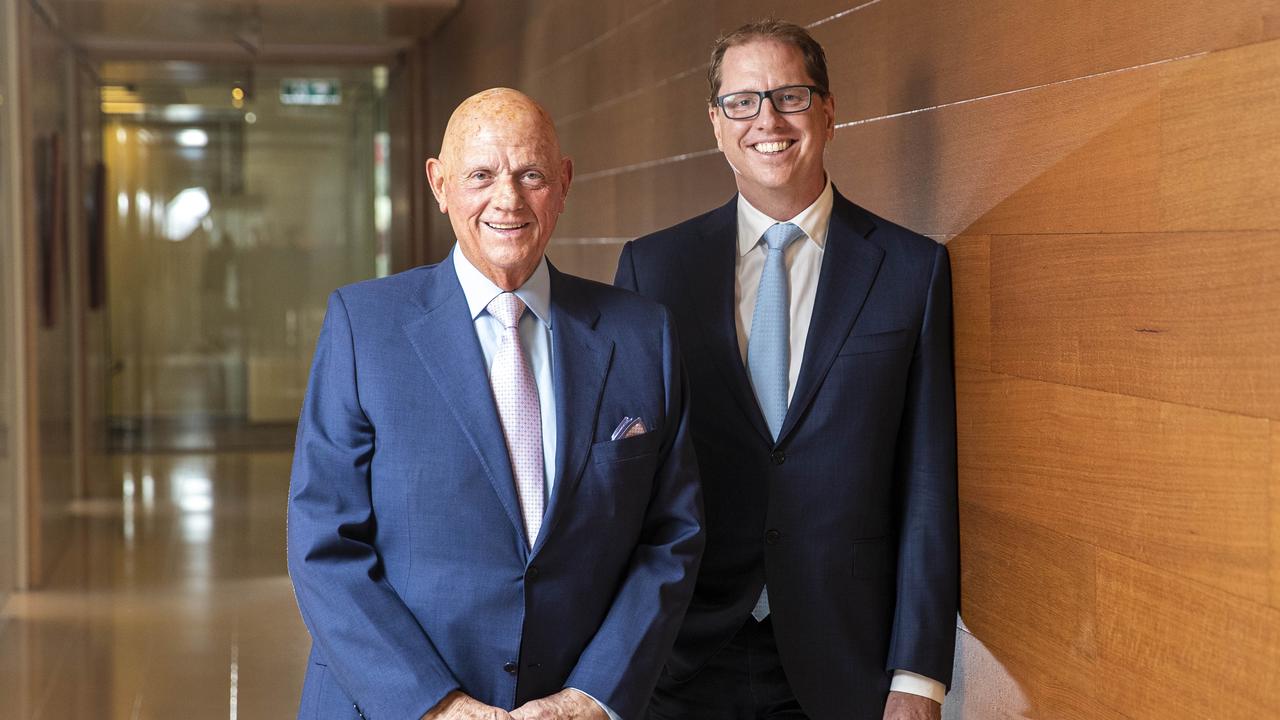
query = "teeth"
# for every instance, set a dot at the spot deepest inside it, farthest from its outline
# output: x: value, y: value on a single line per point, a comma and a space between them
x: 772, y: 147
x: 506, y: 226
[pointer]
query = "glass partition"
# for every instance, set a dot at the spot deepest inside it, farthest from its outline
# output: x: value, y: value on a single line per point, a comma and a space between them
x: 233, y: 210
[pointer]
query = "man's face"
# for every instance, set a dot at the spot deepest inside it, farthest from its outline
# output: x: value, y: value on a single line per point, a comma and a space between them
x: 502, y: 181
x: 774, y: 156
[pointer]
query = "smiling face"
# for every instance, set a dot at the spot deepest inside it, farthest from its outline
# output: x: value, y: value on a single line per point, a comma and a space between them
x: 502, y: 181
x: 776, y: 158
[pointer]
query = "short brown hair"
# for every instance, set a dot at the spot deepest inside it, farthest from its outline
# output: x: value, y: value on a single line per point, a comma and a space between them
x: 815, y: 60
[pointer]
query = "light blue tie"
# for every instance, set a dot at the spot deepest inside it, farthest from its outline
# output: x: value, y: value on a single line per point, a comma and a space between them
x: 769, y: 347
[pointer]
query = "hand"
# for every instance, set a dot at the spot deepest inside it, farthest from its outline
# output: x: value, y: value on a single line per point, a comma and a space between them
x: 457, y: 705
x: 568, y: 704
x: 905, y: 706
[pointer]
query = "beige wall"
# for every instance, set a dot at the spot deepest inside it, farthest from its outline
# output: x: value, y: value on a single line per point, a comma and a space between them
x: 1105, y: 175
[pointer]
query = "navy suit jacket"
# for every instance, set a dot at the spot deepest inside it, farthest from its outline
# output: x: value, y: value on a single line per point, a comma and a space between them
x: 851, y: 515
x: 406, y: 545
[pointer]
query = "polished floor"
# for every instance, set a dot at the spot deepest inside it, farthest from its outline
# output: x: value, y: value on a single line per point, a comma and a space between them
x: 172, y: 603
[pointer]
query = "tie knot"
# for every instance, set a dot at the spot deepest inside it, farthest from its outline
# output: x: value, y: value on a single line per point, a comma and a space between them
x: 781, y: 235
x: 507, y: 308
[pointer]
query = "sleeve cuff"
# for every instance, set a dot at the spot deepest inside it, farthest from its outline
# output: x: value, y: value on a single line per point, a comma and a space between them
x: 916, y: 684
x: 607, y: 710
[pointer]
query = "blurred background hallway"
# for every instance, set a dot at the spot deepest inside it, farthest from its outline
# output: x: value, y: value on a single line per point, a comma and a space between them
x: 171, y: 602
x: 183, y: 182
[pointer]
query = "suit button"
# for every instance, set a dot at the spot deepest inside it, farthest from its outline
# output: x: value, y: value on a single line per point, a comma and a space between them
x: 509, y: 668
x: 778, y: 457
x: 772, y: 537
x: 531, y: 573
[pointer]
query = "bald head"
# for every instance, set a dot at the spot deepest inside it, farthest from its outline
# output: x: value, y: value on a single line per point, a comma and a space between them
x: 498, y: 111
x: 502, y: 181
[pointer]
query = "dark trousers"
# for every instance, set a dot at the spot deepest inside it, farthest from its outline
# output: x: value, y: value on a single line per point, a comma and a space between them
x: 743, y: 681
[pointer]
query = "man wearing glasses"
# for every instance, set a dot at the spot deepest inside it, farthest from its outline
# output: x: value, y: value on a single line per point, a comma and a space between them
x: 819, y: 344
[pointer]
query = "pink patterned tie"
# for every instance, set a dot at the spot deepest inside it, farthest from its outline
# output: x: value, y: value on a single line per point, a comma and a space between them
x: 516, y: 395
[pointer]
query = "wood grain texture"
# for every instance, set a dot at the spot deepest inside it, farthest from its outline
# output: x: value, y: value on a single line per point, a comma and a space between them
x: 911, y: 54
x: 1124, y: 152
x: 971, y: 299
x: 1220, y: 120
x: 1275, y: 514
x: 1006, y: 563
x: 1181, y: 488
x: 1173, y: 648
x: 1186, y: 317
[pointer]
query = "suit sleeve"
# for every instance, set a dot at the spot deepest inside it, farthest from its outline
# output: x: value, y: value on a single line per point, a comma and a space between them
x: 625, y: 277
x: 374, y: 648
x: 621, y: 664
x: 924, y: 627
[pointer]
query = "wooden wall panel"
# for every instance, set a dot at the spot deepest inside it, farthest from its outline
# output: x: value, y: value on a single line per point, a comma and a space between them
x: 630, y: 204
x: 1185, y: 317
x: 1030, y: 162
x: 1220, y: 120
x: 911, y: 54
x: 1275, y: 514
x: 1176, y: 649
x: 1026, y: 162
x: 971, y: 299
x: 1181, y: 488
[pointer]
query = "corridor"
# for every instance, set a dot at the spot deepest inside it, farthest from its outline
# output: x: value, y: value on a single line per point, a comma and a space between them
x: 170, y: 602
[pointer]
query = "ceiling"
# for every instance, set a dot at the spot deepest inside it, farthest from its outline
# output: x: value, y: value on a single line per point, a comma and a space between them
x: 309, y: 31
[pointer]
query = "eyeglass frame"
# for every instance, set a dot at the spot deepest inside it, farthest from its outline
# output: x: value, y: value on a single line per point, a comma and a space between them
x: 768, y: 95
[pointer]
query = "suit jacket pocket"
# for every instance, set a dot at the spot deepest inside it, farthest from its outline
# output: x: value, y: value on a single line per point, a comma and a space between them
x: 609, y: 451
x: 878, y: 342
x: 875, y: 557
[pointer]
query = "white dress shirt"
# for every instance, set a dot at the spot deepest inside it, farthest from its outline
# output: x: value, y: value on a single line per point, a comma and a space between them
x: 535, y: 337
x: 804, y: 264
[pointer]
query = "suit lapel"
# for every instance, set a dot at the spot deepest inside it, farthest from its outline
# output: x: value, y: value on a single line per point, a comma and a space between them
x: 445, y: 339
x: 850, y: 263
x: 711, y: 279
x: 580, y: 356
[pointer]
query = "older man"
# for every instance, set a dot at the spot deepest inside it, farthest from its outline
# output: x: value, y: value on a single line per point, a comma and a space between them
x: 823, y: 415
x: 494, y: 510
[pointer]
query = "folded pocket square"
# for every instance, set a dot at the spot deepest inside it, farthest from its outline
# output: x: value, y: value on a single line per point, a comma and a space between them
x: 629, y: 427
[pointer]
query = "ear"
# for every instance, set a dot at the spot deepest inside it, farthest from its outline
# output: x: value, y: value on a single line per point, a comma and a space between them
x: 713, y: 114
x: 435, y: 178
x: 566, y: 179
x: 829, y: 106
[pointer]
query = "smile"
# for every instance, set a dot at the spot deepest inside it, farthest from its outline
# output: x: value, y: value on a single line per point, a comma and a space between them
x: 770, y: 148
x: 506, y: 226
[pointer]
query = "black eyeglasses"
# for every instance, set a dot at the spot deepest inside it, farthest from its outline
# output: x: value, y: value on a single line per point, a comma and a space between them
x: 746, y: 105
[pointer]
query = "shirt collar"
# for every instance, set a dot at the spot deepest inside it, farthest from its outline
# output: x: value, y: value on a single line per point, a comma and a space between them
x: 480, y: 290
x: 813, y: 220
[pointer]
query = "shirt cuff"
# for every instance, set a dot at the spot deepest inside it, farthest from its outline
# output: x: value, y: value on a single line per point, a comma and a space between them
x: 916, y: 684
x: 607, y: 710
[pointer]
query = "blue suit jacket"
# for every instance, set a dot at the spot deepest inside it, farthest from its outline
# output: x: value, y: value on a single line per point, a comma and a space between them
x: 851, y: 515
x: 406, y: 546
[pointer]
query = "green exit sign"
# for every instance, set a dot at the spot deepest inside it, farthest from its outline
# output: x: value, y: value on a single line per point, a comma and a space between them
x: 310, y: 91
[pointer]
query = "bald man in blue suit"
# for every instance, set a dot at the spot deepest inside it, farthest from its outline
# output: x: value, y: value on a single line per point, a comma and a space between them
x: 433, y: 582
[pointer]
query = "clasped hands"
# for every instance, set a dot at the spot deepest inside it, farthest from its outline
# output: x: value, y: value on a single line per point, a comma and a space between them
x: 568, y: 704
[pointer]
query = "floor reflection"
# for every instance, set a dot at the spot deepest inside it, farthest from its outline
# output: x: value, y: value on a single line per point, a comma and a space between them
x: 172, y: 602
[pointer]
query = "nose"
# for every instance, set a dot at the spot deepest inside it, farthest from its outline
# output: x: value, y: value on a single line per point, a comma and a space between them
x: 769, y: 116
x: 507, y: 194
